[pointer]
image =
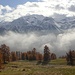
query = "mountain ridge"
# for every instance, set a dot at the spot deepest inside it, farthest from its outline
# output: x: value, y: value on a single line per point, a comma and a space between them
x: 32, y: 23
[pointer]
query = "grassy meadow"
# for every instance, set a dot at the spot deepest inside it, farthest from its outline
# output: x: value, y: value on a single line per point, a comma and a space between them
x: 55, y: 67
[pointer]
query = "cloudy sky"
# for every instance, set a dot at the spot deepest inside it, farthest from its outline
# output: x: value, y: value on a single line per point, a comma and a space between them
x: 14, y: 3
x: 13, y: 9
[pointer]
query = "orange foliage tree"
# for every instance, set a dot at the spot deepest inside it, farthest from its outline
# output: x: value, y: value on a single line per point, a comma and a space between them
x: 31, y: 55
x: 0, y: 59
x: 53, y: 56
x: 5, y: 53
x: 23, y: 56
x: 13, y: 56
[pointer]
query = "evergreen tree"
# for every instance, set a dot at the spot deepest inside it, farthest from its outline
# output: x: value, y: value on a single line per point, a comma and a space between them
x: 46, y: 54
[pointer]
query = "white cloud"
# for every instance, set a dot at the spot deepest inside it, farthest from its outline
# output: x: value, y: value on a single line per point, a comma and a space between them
x: 58, y: 44
x: 58, y: 17
x: 5, y: 9
x: 43, y: 7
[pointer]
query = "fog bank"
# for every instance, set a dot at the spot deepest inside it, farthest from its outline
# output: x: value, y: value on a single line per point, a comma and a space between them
x: 59, y: 44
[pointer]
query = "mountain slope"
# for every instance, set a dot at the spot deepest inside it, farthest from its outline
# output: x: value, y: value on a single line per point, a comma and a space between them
x: 32, y: 23
x: 67, y: 23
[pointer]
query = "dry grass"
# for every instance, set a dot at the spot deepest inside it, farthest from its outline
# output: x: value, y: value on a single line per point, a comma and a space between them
x: 56, y: 67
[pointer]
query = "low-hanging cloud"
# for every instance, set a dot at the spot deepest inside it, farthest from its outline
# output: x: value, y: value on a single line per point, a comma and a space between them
x: 59, y: 44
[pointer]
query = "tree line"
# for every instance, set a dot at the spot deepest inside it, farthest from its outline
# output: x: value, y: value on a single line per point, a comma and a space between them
x: 6, y: 55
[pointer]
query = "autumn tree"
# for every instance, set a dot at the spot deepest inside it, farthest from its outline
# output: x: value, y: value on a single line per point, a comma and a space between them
x: 18, y: 55
x: 26, y: 56
x: 34, y: 54
x: 0, y: 59
x: 39, y: 58
x: 30, y: 57
x: 5, y: 53
x: 53, y: 56
x: 31, y: 54
x: 13, y: 56
x: 23, y: 56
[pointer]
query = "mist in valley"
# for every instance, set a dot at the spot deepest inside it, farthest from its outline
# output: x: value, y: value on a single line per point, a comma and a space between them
x: 59, y: 44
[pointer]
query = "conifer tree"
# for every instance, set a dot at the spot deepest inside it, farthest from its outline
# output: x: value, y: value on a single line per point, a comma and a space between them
x: 46, y: 54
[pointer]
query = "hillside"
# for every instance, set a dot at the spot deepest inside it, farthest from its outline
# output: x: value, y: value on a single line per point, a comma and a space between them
x: 31, y: 23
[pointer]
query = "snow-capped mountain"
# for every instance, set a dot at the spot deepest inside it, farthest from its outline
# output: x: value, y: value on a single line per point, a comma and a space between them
x: 31, y: 23
x: 67, y: 23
